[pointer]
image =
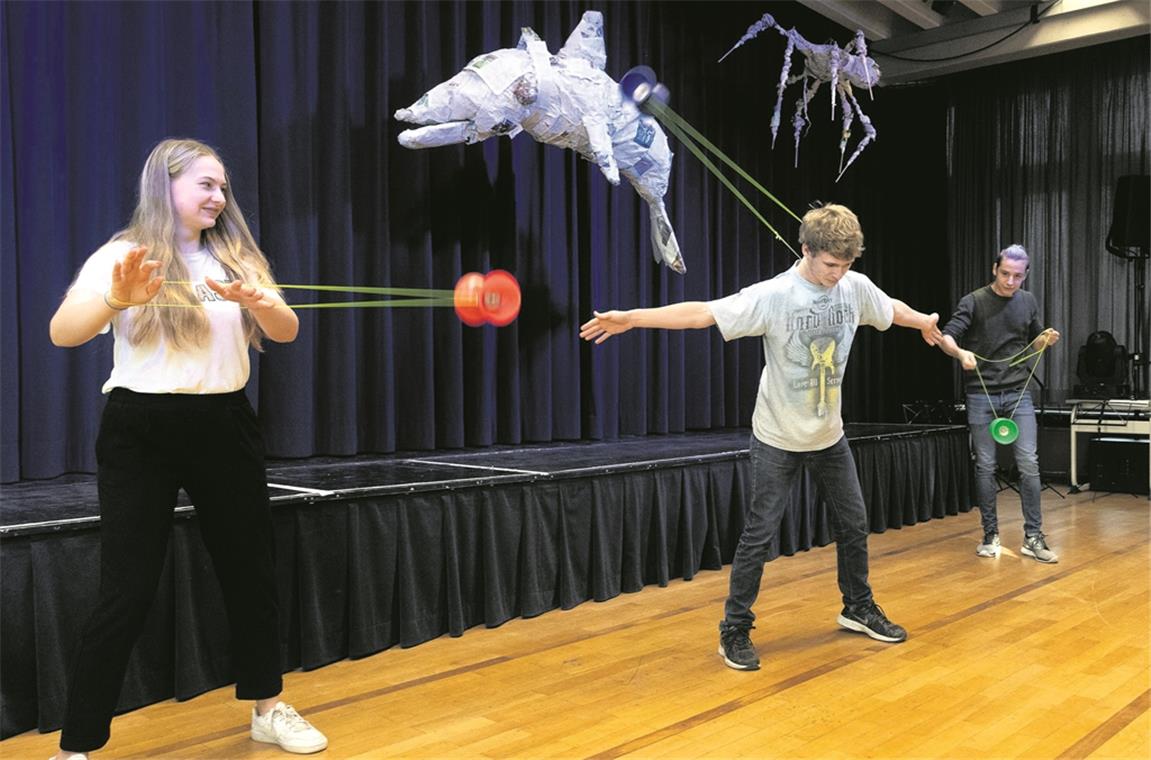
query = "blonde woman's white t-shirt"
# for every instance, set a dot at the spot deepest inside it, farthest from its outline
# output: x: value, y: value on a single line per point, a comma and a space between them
x: 807, y: 332
x: 219, y: 366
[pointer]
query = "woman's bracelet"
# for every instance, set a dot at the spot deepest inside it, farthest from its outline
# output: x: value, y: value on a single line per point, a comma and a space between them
x: 114, y: 303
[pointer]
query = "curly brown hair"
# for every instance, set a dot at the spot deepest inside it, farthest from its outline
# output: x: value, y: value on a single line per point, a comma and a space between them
x: 832, y: 229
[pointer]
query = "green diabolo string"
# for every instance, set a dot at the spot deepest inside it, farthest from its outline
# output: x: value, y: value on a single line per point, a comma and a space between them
x: 689, y: 136
x: 1004, y: 430
x: 414, y: 297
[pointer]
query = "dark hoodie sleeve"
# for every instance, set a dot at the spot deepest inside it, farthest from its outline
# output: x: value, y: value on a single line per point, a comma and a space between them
x: 1036, y: 326
x: 961, y: 320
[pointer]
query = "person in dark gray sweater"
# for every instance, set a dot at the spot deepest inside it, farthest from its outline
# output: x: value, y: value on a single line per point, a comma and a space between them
x: 995, y: 323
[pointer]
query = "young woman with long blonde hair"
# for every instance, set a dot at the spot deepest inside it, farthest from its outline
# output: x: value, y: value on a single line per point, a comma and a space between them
x: 186, y: 292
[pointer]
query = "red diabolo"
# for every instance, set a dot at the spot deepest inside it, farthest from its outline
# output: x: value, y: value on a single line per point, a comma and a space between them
x: 493, y: 298
x: 466, y: 298
x: 501, y: 297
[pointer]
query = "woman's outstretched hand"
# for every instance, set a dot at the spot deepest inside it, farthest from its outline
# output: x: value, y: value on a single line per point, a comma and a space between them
x: 248, y: 296
x: 134, y: 279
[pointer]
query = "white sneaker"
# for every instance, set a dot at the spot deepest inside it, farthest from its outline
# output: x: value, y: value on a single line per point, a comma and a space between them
x: 1036, y: 546
x: 283, y: 725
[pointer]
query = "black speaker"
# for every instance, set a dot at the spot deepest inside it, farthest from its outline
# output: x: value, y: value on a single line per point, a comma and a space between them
x: 1131, y: 221
x: 1119, y: 464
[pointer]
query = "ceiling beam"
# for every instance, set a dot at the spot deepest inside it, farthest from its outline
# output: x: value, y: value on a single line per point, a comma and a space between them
x: 1069, y: 25
x: 984, y: 7
x: 915, y: 11
x: 875, y: 26
x: 1012, y: 18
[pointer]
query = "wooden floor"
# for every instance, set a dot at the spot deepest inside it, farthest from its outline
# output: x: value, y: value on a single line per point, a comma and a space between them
x: 1006, y: 658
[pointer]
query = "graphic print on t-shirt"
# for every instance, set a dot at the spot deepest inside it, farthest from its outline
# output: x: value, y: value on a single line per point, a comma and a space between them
x: 819, y: 342
x: 204, y: 294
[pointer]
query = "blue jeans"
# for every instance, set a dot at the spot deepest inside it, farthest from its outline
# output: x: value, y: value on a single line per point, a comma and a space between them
x: 979, y: 417
x: 774, y: 473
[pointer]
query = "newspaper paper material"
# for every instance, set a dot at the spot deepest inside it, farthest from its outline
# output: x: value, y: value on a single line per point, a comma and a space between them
x: 564, y: 100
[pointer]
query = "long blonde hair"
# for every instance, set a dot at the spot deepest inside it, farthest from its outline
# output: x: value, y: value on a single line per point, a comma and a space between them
x: 153, y: 225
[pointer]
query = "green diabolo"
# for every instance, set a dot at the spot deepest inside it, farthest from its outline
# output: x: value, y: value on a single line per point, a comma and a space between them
x: 1004, y: 430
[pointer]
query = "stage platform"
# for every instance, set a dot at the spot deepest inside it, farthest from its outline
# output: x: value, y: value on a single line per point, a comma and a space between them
x: 375, y: 552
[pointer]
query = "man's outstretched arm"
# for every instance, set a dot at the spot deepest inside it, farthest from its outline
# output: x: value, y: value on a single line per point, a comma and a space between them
x: 677, y: 316
x: 927, y: 324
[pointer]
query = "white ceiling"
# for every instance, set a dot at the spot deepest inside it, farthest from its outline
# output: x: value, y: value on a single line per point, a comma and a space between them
x: 946, y: 36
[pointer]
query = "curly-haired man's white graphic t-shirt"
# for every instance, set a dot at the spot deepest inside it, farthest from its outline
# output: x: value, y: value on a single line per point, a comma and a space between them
x: 807, y: 334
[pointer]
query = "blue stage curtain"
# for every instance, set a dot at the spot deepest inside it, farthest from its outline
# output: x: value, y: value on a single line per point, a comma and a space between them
x: 89, y: 88
x: 299, y: 97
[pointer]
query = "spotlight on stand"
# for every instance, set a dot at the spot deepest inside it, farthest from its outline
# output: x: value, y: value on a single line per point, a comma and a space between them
x: 1102, y: 368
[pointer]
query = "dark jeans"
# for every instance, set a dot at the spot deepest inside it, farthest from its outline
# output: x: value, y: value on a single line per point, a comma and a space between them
x: 774, y: 473
x: 149, y: 446
x: 979, y: 417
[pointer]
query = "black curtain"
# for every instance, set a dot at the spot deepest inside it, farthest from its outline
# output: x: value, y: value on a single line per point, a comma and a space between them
x: 89, y: 88
x: 298, y: 97
x: 1034, y: 152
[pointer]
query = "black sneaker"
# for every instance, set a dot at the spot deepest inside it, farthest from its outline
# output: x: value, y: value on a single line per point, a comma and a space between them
x: 736, y: 649
x: 870, y: 619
